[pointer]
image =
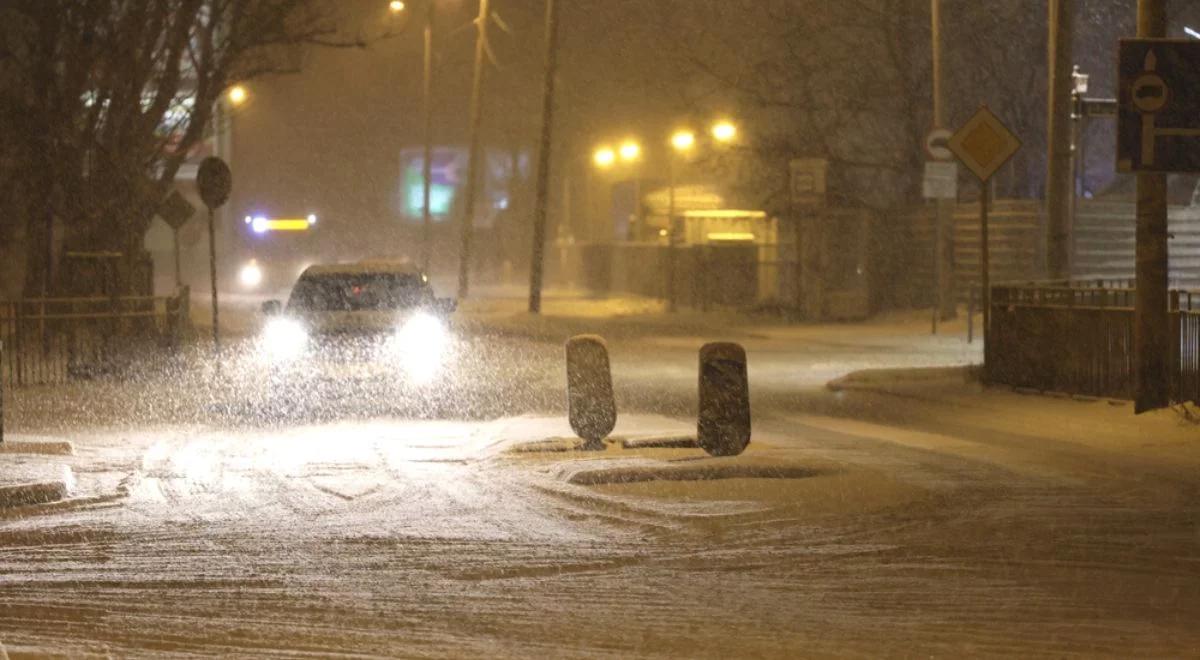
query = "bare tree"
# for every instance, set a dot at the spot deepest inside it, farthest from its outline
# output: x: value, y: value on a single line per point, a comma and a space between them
x: 108, y: 97
x: 850, y: 82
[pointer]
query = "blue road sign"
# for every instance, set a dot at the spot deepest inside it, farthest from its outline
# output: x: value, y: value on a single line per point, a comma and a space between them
x: 1158, y: 96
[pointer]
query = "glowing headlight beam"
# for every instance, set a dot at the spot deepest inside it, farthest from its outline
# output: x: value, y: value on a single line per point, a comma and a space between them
x: 283, y: 340
x: 250, y: 275
x: 420, y: 346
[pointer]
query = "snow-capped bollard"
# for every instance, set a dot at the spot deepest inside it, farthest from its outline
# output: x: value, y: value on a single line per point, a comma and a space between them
x: 724, y: 425
x: 591, y: 407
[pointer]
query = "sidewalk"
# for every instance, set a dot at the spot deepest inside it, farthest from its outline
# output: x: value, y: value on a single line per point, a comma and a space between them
x: 504, y: 311
x: 953, y: 402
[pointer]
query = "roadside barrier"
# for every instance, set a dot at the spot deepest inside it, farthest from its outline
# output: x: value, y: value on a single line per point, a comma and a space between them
x: 723, y: 428
x: 592, y: 409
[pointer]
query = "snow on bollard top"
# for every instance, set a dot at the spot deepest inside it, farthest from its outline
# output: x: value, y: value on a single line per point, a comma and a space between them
x: 723, y: 428
x: 592, y: 409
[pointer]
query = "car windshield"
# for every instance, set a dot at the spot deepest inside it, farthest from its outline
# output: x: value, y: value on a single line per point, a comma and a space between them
x: 342, y: 292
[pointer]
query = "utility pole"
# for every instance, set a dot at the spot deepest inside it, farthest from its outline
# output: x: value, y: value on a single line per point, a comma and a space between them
x: 1058, y: 175
x: 467, y: 227
x: 1151, y: 331
x: 427, y: 161
x: 671, y: 259
x: 543, y: 171
x: 944, y: 222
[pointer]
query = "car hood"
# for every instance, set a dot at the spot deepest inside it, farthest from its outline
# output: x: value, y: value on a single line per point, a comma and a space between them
x: 353, y: 323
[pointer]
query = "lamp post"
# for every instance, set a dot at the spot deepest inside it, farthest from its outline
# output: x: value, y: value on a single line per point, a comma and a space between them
x: 1079, y: 87
x: 467, y: 227
x: 398, y: 7
x: 631, y: 152
x: 682, y: 142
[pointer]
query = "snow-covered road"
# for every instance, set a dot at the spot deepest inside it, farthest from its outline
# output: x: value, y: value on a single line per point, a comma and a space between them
x: 857, y: 524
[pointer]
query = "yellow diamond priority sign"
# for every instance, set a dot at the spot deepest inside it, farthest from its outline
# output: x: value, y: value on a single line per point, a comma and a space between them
x: 984, y: 144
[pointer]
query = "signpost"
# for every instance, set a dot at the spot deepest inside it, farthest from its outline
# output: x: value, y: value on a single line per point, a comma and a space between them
x: 984, y: 144
x: 807, y: 188
x: 941, y: 184
x: 215, y: 182
x: 1158, y: 131
x: 941, y: 180
x: 1158, y: 113
x: 175, y: 211
x: 937, y: 144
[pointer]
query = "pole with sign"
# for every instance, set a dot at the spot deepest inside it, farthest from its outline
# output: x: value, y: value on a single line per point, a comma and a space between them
x: 175, y: 211
x: 215, y: 182
x: 1158, y: 132
x: 941, y: 184
x: 983, y: 145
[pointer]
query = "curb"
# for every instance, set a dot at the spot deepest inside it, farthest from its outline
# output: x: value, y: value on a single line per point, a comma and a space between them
x: 47, y: 448
x: 27, y: 494
x: 678, y: 441
x: 875, y: 380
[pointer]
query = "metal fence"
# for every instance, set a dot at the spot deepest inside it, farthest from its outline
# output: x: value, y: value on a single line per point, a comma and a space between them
x: 52, y: 340
x: 1077, y: 338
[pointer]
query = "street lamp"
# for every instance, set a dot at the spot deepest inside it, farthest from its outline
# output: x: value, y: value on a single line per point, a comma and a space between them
x: 683, y: 140
x: 237, y: 95
x: 724, y: 131
x: 604, y: 157
x: 397, y: 7
x: 630, y: 151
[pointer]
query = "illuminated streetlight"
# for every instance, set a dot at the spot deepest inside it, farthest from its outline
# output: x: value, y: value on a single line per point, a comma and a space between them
x: 630, y: 150
x: 237, y: 95
x: 724, y: 131
x: 604, y: 157
x: 395, y: 6
x: 683, y: 140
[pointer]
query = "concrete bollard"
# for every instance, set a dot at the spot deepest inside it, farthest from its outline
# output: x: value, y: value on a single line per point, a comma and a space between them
x: 592, y: 409
x: 724, y: 424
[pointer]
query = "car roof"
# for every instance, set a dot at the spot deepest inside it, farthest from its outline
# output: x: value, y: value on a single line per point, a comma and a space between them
x: 369, y: 267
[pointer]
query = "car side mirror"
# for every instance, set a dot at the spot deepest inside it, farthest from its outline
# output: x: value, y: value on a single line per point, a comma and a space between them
x: 445, y: 306
x: 272, y: 307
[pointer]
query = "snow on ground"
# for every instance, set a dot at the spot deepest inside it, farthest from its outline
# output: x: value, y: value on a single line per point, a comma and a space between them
x: 925, y: 516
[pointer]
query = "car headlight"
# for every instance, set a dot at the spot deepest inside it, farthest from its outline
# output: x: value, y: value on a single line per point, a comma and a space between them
x: 420, y: 345
x: 250, y: 275
x: 283, y: 340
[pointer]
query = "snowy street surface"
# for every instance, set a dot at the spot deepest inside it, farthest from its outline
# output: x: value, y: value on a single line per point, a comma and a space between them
x: 924, y: 517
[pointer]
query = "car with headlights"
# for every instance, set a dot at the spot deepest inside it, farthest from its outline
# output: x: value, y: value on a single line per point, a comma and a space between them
x: 373, y: 320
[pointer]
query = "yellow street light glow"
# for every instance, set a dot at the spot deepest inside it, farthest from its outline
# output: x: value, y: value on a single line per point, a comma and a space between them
x: 288, y: 224
x: 730, y: 236
x: 237, y: 95
x: 395, y: 6
x: 630, y: 150
x: 604, y: 157
x: 683, y: 140
x: 725, y: 213
x: 724, y: 131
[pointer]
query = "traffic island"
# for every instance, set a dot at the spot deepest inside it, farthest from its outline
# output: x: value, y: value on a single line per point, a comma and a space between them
x: 32, y: 493
x: 691, y: 471
x: 560, y: 445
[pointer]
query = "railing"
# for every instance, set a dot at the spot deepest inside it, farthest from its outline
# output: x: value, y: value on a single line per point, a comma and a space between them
x: 52, y: 340
x: 1077, y: 338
